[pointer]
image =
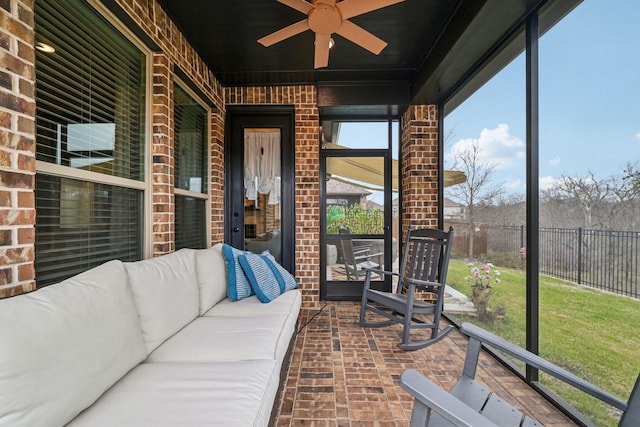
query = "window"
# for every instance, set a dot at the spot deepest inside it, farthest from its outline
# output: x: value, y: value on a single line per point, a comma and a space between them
x: 589, y: 207
x: 90, y: 142
x: 190, y: 133
x: 582, y: 224
x: 360, y: 176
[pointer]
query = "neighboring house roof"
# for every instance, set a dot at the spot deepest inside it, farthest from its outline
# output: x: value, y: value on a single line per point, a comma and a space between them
x: 345, y: 189
x: 448, y: 203
x: 373, y: 205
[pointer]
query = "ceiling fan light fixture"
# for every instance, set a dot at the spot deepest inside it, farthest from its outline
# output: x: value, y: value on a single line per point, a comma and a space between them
x: 44, y: 47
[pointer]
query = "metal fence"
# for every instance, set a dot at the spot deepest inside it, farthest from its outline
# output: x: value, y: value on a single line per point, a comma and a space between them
x: 608, y: 260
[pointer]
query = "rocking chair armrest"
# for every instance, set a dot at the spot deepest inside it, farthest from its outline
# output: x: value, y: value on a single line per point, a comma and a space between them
x: 430, y: 395
x: 421, y: 283
x: 362, y: 249
x: 498, y: 343
x: 381, y: 272
x: 367, y: 256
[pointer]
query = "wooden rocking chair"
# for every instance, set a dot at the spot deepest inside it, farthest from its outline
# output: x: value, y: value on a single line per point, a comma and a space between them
x: 424, y: 265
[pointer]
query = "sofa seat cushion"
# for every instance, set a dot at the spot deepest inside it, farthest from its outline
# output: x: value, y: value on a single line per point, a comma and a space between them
x: 287, y: 303
x: 165, y: 290
x: 188, y: 394
x: 214, y: 339
x: 64, y: 345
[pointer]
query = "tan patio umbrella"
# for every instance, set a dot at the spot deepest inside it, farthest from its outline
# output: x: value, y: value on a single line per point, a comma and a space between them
x: 369, y: 170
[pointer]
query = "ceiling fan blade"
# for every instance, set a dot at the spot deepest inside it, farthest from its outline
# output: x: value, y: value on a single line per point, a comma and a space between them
x: 321, y: 58
x: 284, y: 33
x: 361, y: 37
x: 299, y: 5
x: 351, y: 8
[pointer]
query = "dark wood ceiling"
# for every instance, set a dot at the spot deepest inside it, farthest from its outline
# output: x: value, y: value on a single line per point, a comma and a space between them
x: 433, y: 46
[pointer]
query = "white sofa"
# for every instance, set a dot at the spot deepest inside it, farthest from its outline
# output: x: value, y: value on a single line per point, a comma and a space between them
x: 148, y: 343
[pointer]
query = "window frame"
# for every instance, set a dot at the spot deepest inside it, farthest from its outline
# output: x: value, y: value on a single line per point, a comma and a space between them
x: 179, y: 192
x: 145, y: 185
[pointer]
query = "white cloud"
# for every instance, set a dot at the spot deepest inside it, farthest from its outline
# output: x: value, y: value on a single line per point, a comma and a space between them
x: 513, y: 184
x: 555, y: 161
x: 547, y: 182
x: 638, y: 136
x: 496, y: 146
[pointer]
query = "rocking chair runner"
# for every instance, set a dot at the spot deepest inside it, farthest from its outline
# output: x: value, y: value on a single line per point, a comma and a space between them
x: 424, y: 265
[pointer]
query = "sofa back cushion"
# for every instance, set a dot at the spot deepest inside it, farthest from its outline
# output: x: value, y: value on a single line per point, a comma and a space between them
x: 212, y: 277
x: 165, y: 290
x: 62, y: 346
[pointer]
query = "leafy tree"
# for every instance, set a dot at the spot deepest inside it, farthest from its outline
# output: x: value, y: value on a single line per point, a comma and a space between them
x: 358, y: 219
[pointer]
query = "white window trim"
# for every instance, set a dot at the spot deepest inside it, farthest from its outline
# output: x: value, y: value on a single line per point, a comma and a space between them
x: 145, y: 186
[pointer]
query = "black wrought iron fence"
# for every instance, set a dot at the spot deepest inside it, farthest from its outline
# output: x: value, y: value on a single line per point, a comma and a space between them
x: 608, y: 260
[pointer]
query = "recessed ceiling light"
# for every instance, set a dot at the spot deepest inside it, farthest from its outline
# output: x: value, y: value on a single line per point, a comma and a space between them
x: 46, y: 48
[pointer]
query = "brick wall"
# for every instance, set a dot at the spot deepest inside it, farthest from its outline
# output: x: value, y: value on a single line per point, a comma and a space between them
x: 307, y: 175
x: 17, y: 147
x: 163, y: 157
x: 419, y: 167
x: 177, y: 52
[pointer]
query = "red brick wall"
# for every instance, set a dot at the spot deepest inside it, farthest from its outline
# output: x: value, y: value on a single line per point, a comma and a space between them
x: 17, y: 137
x: 307, y: 178
x: 177, y: 52
x: 17, y: 147
x: 419, y: 167
x: 163, y: 157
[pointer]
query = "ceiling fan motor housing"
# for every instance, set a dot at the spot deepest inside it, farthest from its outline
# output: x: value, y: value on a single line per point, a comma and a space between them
x: 324, y: 19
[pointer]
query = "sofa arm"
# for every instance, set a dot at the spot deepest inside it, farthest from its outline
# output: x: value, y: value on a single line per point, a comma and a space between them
x: 430, y: 396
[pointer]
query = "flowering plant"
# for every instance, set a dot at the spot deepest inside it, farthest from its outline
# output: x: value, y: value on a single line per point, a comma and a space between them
x: 483, y: 275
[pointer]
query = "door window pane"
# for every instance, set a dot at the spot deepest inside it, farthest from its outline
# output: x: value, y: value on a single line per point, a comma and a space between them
x: 262, y: 184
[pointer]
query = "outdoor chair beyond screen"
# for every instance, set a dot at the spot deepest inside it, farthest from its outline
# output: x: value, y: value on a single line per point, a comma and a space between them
x: 357, y: 258
x: 424, y: 267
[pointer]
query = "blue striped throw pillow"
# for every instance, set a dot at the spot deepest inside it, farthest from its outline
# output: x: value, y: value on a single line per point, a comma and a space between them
x: 238, y: 287
x: 286, y: 280
x: 261, y: 277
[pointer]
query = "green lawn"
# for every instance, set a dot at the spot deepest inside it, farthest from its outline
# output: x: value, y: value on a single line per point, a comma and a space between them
x: 595, y: 335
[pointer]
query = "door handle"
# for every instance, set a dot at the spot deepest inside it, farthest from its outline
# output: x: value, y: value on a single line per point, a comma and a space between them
x: 236, y: 229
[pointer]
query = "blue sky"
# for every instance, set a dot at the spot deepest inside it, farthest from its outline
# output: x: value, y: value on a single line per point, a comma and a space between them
x: 589, y: 100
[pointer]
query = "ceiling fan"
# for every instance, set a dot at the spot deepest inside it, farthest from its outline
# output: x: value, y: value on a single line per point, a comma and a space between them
x: 325, y: 17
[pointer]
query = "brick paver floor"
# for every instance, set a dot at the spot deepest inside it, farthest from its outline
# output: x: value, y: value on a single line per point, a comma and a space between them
x: 341, y: 374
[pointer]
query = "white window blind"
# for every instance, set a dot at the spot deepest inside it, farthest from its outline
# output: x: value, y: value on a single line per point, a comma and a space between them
x: 190, y: 134
x: 90, y: 122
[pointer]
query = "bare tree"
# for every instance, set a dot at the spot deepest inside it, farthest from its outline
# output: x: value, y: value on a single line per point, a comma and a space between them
x: 478, y: 187
x: 586, y: 201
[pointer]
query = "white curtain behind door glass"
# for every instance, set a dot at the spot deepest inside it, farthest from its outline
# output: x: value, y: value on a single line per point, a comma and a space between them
x: 262, y: 165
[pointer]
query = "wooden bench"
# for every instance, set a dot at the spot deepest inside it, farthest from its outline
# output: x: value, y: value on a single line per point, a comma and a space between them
x: 471, y: 404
